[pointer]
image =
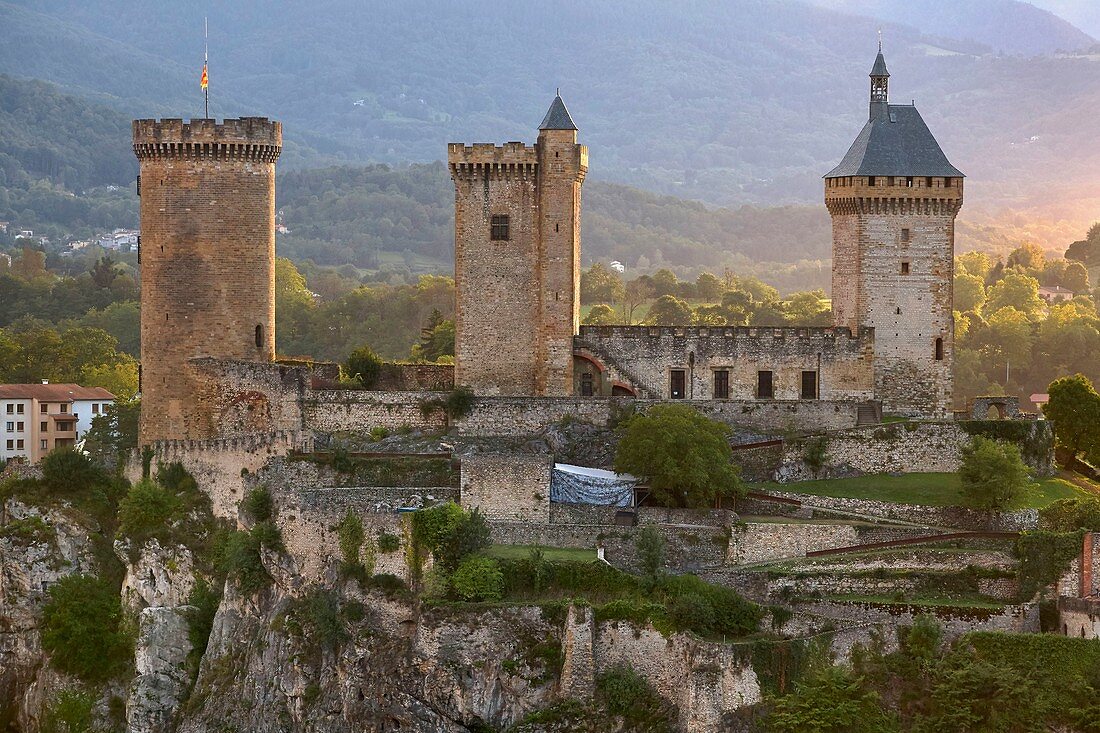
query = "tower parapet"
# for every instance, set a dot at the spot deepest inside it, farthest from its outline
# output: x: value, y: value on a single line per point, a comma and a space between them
x: 207, y: 257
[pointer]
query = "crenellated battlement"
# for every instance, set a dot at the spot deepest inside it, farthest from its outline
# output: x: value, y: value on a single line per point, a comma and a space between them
x: 248, y: 138
x: 483, y: 160
x: 769, y: 333
x: 907, y: 195
x: 274, y: 443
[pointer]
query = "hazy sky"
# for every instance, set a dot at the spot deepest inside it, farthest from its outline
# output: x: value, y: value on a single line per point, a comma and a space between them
x: 1085, y: 14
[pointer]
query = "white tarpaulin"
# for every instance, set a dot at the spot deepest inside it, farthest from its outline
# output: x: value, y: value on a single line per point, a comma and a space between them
x: 581, y: 485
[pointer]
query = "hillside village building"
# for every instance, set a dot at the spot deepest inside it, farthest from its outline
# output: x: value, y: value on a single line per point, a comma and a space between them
x: 893, y: 199
x: 36, y: 418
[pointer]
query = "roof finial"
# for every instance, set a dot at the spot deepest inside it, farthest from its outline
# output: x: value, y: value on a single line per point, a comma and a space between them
x: 557, y: 91
x: 880, y: 39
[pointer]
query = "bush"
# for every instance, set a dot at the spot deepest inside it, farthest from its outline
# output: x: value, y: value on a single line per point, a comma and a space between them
x: 478, y: 579
x: 238, y: 557
x: 470, y: 535
x: 148, y: 511
x: 364, y: 366
x: 318, y: 617
x: 204, y: 600
x: 651, y: 552
x: 83, y: 629
x: 993, y: 474
x: 388, y: 583
x: 449, y: 533
x: 388, y: 542
x: 691, y: 611
x: 258, y: 505
x: 732, y: 615
x: 626, y: 694
x: 459, y: 402
x: 832, y: 701
x: 1069, y: 515
x: 356, y: 562
x: 68, y: 471
x: 72, y: 711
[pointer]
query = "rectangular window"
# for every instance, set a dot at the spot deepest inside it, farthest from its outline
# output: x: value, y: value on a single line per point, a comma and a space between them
x: 44, y: 444
x: 677, y: 382
x: 11, y: 409
x: 904, y: 268
x: 45, y: 409
x: 809, y: 385
x: 905, y: 235
x: 909, y: 182
x: 11, y: 427
x: 764, y: 387
x: 19, y: 427
x: 64, y: 409
x: 947, y: 183
x: 870, y: 180
x: 722, y: 384
x: 11, y: 445
x: 95, y: 406
x: 498, y: 228
x: 19, y: 445
x: 586, y: 384
x: 44, y: 427
x: 19, y: 409
x: 928, y: 182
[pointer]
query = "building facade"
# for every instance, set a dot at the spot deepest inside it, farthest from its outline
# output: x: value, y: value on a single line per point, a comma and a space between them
x: 36, y: 418
x: 517, y: 260
x: 207, y: 259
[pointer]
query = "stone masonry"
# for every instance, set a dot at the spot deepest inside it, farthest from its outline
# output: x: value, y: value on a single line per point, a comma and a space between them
x: 207, y: 259
x: 517, y: 262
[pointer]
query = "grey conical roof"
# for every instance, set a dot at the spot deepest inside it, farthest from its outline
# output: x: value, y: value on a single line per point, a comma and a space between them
x: 557, y: 117
x: 879, y: 69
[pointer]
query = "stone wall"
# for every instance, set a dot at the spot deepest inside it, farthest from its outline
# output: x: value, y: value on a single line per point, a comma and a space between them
x: 909, y: 447
x: 956, y: 518
x: 1080, y: 617
x: 955, y: 621
x: 395, y: 377
x: 360, y: 410
x: 841, y: 359
x: 513, y: 487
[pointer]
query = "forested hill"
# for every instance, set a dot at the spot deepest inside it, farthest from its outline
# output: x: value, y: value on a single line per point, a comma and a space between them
x: 733, y: 103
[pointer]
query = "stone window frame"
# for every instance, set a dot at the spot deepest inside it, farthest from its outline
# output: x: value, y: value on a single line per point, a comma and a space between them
x: 500, y: 228
x: 724, y: 382
x: 938, y: 346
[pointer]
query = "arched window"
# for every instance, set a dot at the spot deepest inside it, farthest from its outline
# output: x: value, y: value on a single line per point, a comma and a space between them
x: 939, y: 349
x: 259, y: 336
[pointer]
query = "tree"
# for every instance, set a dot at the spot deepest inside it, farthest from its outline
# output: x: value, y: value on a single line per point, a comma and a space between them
x: 81, y: 628
x: 832, y: 701
x: 103, y: 272
x: 437, y: 338
x: 969, y: 292
x: 709, y: 287
x: 1087, y: 250
x: 364, y: 365
x: 1016, y: 291
x: 601, y: 315
x: 684, y: 456
x: 669, y: 311
x: 1029, y: 257
x: 975, y: 263
x: 650, y: 546
x: 637, y: 292
x: 993, y: 474
x: 664, y: 283
x: 600, y: 284
x: 1074, y: 408
x: 1076, y: 278
x: 809, y: 308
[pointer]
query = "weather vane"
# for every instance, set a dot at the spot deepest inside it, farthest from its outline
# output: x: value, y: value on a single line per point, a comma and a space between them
x: 880, y: 40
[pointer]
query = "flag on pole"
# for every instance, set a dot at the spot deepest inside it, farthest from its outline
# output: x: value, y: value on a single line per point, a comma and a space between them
x: 205, y: 81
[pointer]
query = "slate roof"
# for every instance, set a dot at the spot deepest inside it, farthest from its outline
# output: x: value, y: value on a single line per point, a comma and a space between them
x: 895, y: 142
x: 879, y: 69
x: 557, y: 117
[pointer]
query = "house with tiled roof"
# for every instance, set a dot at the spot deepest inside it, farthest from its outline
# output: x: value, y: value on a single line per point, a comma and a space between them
x: 37, y: 418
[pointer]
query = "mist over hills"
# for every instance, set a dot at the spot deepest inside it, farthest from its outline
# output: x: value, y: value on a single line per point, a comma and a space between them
x: 737, y: 103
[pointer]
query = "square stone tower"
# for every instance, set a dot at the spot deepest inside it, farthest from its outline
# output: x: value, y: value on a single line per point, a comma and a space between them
x: 517, y: 260
x: 893, y: 200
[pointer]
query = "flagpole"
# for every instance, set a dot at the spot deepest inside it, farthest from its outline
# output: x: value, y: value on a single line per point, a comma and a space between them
x: 205, y: 61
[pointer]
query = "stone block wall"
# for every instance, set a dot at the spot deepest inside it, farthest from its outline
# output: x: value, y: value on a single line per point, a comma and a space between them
x: 841, y: 358
x: 1080, y: 617
x: 396, y: 377
x: 360, y: 410
x: 513, y: 487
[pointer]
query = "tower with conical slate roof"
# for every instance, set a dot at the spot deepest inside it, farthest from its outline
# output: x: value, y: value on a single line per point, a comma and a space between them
x: 517, y: 260
x: 893, y: 200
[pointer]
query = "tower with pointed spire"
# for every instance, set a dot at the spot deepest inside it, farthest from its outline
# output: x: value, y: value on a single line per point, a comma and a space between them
x: 893, y: 201
x: 517, y: 260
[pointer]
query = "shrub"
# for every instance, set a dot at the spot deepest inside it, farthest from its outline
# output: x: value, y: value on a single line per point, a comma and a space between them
x: 148, y: 511
x: 732, y: 614
x: 378, y: 433
x: 478, y: 579
x: 469, y: 535
x: 356, y: 562
x: 691, y: 611
x: 833, y: 700
x: 651, y: 552
x: 364, y: 366
x: 318, y: 616
x: 238, y: 557
x: 1068, y: 515
x: 204, y: 600
x: 72, y: 711
x: 68, y: 471
x: 459, y: 402
x: 83, y: 630
x: 814, y: 454
x: 449, y: 533
x: 31, y: 530
x: 258, y: 505
x: 993, y: 474
x: 626, y: 694
x: 388, y: 542
x: 388, y: 583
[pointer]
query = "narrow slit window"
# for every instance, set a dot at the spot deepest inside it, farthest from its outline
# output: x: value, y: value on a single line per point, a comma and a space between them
x: 939, y: 349
x: 870, y: 180
x: 904, y: 268
x: 259, y: 336
x: 499, y: 226
x: 905, y: 236
x: 909, y: 182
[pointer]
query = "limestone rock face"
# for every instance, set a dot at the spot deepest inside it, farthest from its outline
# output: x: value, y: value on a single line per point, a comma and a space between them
x: 38, y: 547
x: 161, y: 576
x: 161, y: 676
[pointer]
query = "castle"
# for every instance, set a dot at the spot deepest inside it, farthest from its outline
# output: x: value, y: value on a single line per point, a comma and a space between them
x: 207, y: 216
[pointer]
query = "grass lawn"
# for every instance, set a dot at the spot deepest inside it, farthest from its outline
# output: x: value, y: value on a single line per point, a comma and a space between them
x: 551, y: 554
x: 930, y: 489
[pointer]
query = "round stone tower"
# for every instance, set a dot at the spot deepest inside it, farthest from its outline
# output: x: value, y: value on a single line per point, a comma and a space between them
x: 207, y: 258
